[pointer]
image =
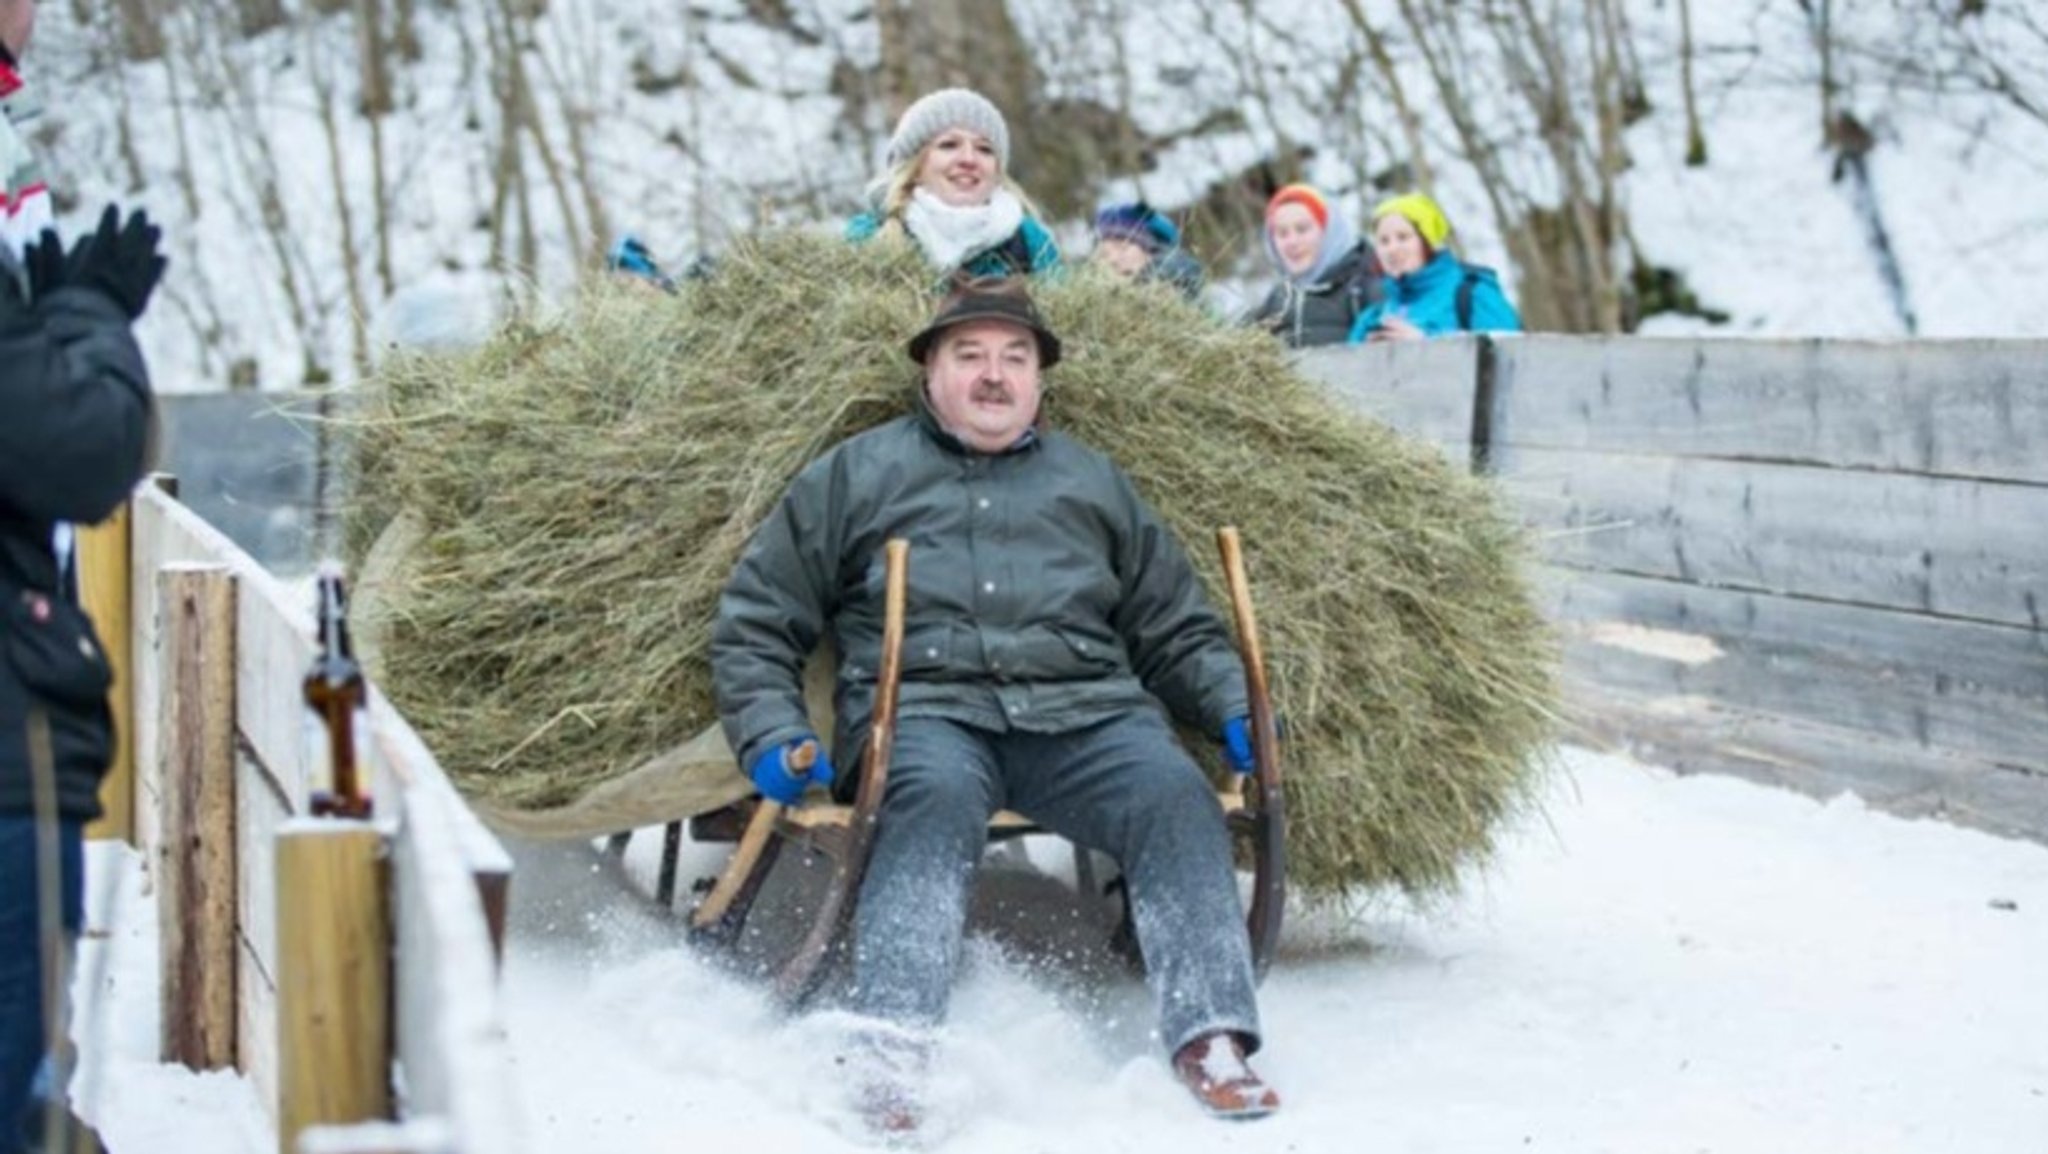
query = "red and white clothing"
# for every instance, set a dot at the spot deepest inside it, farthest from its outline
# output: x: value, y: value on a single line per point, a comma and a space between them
x: 24, y: 198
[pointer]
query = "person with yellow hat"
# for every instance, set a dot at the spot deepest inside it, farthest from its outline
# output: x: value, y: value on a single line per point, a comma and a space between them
x: 1328, y: 275
x: 1428, y: 291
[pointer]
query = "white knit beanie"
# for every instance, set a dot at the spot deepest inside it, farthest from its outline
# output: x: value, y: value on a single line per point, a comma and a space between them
x: 936, y: 112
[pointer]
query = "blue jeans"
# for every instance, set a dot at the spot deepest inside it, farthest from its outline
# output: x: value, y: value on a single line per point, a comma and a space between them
x: 1124, y: 787
x: 23, y: 1044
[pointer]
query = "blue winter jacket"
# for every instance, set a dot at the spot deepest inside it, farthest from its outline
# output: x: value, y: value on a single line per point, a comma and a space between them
x: 1030, y: 250
x: 1428, y: 298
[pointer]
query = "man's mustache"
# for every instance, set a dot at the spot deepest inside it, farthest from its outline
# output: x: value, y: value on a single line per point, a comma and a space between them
x: 991, y: 391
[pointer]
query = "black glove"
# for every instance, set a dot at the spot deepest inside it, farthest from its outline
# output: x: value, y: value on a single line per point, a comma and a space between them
x: 14, y: 312
x: 47, y: 267
x: 119, y: 260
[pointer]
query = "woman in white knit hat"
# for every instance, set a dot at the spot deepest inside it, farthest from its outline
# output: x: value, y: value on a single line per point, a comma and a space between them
x: 947, y: 188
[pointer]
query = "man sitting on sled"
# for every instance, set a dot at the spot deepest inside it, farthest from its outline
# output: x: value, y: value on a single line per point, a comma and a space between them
x: 1052, y: 622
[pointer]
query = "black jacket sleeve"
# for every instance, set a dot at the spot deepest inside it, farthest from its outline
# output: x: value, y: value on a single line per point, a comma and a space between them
x: 78, y: 407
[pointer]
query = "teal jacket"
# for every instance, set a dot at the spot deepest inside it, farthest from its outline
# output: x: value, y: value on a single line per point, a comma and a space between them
x: 1428, y: 298
x: 1029, y: 251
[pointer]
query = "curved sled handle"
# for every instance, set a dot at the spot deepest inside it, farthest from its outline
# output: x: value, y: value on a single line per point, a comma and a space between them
x: 1265, y: 731
x: 711, y: 910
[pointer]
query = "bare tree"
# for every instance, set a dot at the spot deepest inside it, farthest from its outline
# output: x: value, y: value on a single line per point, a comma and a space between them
x: 1695, y: 137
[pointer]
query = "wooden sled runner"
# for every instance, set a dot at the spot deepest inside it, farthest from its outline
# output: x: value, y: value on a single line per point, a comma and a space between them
x: 844, y: 834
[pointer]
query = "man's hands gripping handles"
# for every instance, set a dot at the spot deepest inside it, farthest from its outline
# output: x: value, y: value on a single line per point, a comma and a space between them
x: 785, y: 771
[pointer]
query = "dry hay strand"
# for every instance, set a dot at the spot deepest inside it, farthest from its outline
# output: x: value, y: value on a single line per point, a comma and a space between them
x: 582, y: 486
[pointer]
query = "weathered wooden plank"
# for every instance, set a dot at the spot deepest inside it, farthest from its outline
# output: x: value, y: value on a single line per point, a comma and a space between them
x: 1423, y: 389
x: 145, y: 653
x: 1932, y: 683
x: 270, y: 663
x: 260, y: 813
x: 105, y: 559
x: 164, y: 532
x: 450, y: 1040
x: 1692, y: 735
x: 334, y: 948
x: 402, y: 759
x: 197, y: 886
x: 1956, y: 408
x: 256, y: 1021
x: 1926, y: 544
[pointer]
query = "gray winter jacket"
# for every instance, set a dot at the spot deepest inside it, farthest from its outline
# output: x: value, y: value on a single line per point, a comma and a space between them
x: 1044, y: 595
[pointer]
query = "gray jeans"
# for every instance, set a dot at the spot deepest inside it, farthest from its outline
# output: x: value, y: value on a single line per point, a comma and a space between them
x: 1124, y: 787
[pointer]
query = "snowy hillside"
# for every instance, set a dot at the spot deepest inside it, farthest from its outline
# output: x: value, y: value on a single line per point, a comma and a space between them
x: 688, y: 123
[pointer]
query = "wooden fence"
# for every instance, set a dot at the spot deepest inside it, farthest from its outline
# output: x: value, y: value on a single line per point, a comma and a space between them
x: 1820, y: 563
x: 408, y: 1051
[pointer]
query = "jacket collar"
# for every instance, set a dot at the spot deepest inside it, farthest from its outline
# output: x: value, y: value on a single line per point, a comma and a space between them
x: 1444, y: 266
x: 929, y: 422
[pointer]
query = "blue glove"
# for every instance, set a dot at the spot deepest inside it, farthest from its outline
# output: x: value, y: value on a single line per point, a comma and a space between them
x: 631, y: 257
x: 1237, y: 744
x: 778, y: 782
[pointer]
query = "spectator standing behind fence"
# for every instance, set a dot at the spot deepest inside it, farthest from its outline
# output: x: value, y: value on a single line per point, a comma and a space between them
x: 1138, y: 241
x: 948, y: 190
x: 75, y: 416
x: 1328, y: 274
x: 1429, y: 292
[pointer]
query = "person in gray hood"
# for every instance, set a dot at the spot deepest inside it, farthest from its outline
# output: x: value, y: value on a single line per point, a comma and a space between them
x: 1053, y: 622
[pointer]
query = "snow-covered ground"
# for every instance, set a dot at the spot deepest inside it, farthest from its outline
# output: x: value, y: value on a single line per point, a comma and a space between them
x: 1665, y: 964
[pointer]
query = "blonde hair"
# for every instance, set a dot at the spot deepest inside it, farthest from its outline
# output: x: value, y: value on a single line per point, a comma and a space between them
x: 895, y: 187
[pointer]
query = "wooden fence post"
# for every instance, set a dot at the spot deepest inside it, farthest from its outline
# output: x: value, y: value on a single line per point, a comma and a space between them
x: 196, y: 895
x: 104, y: 559
x: 333, y: 976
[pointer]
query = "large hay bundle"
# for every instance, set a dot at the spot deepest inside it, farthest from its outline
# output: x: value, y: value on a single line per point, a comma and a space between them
x: 578, y: 490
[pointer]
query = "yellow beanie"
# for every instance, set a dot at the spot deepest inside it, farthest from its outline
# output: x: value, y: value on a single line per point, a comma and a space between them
x: 1422, y: 212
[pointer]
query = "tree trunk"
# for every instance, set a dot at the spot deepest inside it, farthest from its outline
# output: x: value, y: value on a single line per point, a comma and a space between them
x: 1695, y: 137
x: 371, y: 61
x: 257, y: 16
x: 142, y: 34
x: 932, y: 44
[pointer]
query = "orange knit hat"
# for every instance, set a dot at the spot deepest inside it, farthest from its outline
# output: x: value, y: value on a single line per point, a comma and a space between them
x: 1304, y: 196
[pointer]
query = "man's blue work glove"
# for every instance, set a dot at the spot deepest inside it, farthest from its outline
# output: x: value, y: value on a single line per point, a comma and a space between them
x: 781, y: 775
x: 1237, y: 744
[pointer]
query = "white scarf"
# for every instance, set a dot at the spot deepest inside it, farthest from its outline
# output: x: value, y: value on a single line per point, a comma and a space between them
x: 950, y: 235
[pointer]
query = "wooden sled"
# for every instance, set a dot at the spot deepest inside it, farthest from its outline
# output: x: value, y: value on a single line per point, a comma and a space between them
x: 844, y: 834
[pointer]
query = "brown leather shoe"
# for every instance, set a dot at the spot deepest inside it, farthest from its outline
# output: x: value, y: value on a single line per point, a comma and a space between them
x: 887, y: 1069
x: 1213, y: 1069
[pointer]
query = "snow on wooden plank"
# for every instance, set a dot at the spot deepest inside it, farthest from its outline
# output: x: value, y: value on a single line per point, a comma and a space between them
x: 1693, y: 735
x: 452, y: 1051
x: 1424, y: 389
x: 1926, y: 544
x: 1930, y: 683
x: 405, y: 758
x: 412, y: 1136
x: 1952, y: 408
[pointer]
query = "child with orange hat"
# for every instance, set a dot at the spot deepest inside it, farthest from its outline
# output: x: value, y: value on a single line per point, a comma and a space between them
x: 1328, y: 274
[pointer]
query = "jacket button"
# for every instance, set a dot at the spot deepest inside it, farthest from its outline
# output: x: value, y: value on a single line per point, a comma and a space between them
x: 983, y: 503
x: 988, y: 586
x: 932, y: 653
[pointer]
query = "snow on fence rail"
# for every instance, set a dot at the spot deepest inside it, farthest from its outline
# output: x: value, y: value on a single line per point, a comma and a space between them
x: 208, y: 674
x: 1819, y: 563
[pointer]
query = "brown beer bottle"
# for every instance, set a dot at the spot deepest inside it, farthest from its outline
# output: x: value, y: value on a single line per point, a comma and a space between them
x: 337, y: 695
